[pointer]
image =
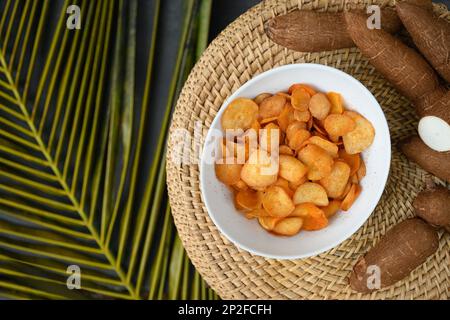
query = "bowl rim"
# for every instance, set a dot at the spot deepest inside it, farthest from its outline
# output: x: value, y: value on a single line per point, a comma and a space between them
x: 383, y: 176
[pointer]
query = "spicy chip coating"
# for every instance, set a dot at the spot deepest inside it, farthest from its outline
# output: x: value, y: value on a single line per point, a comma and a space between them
x: 260, y: 170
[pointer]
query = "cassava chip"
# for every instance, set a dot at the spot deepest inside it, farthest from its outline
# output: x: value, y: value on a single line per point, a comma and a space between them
x: 288, y: 226
x: 300, y: 99
x: 271, y: 107
x: 302, y: 116
x: 361, y: 173
x: 350, y: 197
x: 313, y: 217
x: 239, y: 114
x: 332, y: 208
x: 339, y: 124
x: 337, y: 106
x: 248, y: 199
x: 361, y: 137
x: 326, y: 145
x: 353, y: 160
x: 298, y: 138
x: 270, y: 131
x: 240, y: 185
x: 293, y: 127
x: 292, y: 169
x: 319, y: 106
x: 229, y: 172
x: 277, y: 202
x: 260, y: 170
x: 268, y: 223
x: 336, y: 181
x: 286, y: 117
x: 303, y: 86
x: 260, y: 97
x: 284, y: 149
x: 283, y: 183
x: 318, y: 161
x: 311, y: 192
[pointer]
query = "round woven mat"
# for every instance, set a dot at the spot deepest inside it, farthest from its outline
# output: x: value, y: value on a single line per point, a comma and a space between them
x: 240, y: 52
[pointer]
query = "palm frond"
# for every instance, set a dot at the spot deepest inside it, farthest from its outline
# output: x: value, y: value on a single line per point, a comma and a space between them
x: 72, y: 158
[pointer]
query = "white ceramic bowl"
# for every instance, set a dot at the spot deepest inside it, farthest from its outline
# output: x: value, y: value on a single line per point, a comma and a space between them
x: 247, y: 234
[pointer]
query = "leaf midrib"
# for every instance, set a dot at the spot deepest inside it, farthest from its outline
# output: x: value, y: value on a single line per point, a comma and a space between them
x: 68, y: 192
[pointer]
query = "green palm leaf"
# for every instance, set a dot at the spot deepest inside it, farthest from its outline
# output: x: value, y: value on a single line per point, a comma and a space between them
x: 71, y: 154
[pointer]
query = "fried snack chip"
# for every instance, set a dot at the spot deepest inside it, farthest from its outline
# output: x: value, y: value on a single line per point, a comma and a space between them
x: 292, y: 169
x: 318, y: 161
x: 300, y: 99
x: 302, y: 116
x: 248, y: 199
x: 298, y: 138
x: 284, y: 149
x: 361, y: 173
x: 311, y: 192
x: 288, y: 226
x: 268, y: 223
x: 351, y: 196
x: 277, y: 202
x: 286, y: 117
x: 240, y: 114
x: 339, y: 124
x: 271, y: 107
x: 332, y: 208
x: 353, y: 160
x: 293, y: 186
x: 336, y: 181
x: 319, y: 106
x: 266, y: 136
x: 337, y: 105
x: 303, y: 86
x: 283, y: 183
x: 313, y: 217
x: 293, y: 127
x: 361, y: 137
x: 260, y: 97
x: 240, y: 185
x: 326, y: 145
x: 259, y: 172
x: 229, y: 172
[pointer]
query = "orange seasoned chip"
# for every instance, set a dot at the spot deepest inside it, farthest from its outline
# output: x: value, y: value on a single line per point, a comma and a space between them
x: 240, y: 185
x: 239, y: 114
x: 361, y: 137
x: 303, y: 86
x: 260, y: 170
x: 318, y: 161
x: 277, y: 202
x: 326, y: 145
x: 319, y: 106
x: 336, y: 181
x: 288, y: 226
x: 311, y: 192
x: 302, y: 116
x: 351, y: 196
x: 283, y: 183
x: 270, y: 131
x: 332, y: 208
x: 300, y: 99
x: 284, y: 149
x: 271, y: 107
x: 268, y: 223
x: 353, y: 160
x: 298, y: 138
x: 313, y: 217
x: 260, y: 97
x: 286, y: 117
x: 339, y: 124
x: 248, y: 199
x: 294, y: 127
x: 361, y: 172
x: 292, y: 169
x: 337, y: 105
x: 229, y: 172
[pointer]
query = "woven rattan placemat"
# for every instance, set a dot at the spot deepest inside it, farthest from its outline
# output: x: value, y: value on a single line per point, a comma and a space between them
x: 240, y: 52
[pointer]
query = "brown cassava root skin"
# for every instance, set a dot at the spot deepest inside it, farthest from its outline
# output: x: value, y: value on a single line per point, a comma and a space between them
x: 433, y: 205
x: 403, y: 67
x: 430, y: 34
x: 311, y: 31
x: 404, y: 247
x: 436, y: 163
x: 435, y: 104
